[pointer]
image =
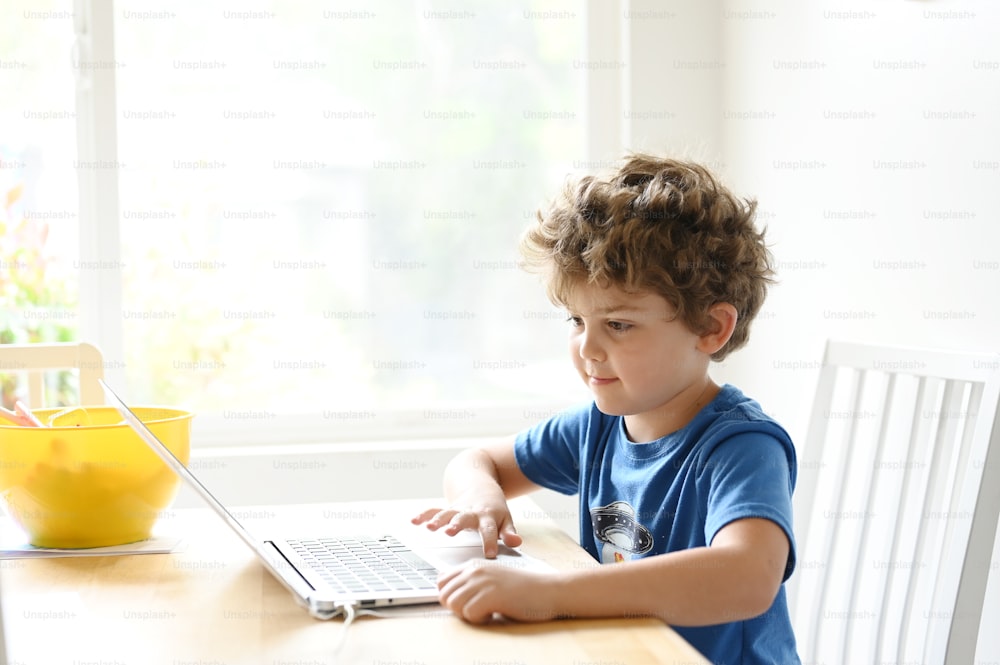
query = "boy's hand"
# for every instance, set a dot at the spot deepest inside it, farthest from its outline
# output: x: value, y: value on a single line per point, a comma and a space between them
x: 476, y: 590
x: 488, y: 515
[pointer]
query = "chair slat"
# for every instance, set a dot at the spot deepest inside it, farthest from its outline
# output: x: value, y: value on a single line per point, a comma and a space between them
x: 962, y: 428
x: 870, y: 488
x: 920, y: 610
x: 982, y: 487
x: 830, y: 536
x: 900, y: 568
x: 36, y: 388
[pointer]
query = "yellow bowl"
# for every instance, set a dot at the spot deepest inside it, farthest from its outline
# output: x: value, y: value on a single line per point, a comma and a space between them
x: 92, y: 485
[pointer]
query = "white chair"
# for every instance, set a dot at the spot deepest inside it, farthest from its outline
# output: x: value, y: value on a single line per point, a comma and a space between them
x: 34, y: 360
x: 897, y: 503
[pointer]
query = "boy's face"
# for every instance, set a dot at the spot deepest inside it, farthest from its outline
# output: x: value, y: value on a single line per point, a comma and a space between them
x: 638, y: 360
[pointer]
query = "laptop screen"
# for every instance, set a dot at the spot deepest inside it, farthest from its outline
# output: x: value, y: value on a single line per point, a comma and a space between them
x: 168, y: 457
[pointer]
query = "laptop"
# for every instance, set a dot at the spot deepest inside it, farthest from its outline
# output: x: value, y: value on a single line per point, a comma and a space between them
x: 329, y: 575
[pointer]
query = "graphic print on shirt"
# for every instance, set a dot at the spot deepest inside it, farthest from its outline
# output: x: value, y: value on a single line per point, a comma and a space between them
x: 616, y: 528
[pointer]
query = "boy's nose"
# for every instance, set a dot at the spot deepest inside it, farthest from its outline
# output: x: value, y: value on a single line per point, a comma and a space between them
x: 590, y: 348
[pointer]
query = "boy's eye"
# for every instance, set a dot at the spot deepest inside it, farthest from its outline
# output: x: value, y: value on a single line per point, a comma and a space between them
x: 618, y: 326
x: 575, y: 321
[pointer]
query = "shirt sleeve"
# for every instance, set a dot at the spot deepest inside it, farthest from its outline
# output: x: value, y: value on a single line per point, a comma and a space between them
x: 751, y: 474
x: 549, y: 453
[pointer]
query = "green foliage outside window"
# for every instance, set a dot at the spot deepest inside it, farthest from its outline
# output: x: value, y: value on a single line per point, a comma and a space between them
x: 37, y: 305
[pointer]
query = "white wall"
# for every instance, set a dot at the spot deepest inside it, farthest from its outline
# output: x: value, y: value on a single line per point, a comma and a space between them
x: 908, y: 254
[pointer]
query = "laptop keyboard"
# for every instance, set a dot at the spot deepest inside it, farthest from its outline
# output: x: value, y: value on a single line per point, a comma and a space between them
x: 358, y: 565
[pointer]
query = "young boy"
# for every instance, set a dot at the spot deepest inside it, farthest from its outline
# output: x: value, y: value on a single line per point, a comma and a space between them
x: 685, y: 486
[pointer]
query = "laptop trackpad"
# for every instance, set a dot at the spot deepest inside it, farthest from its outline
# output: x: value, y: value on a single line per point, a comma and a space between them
x: 444, y: 558
x: 444, y: 552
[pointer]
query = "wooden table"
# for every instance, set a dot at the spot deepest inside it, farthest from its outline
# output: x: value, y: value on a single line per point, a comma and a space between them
x: 210, y: 602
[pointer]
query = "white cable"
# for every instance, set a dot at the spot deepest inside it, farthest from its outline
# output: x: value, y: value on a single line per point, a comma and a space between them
x: 350, y: 614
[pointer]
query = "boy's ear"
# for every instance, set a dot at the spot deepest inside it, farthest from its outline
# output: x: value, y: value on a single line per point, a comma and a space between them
x: 724, y: 317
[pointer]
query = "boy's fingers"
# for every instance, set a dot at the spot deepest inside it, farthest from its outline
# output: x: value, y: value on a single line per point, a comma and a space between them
x: 441, y: 518
x: 461, y: 521
x: 455, y: 521
x: 425, y: 516
x: 477, y: 609
x: 446, y: 576
x: 510, y: 536
x: 488, y: 531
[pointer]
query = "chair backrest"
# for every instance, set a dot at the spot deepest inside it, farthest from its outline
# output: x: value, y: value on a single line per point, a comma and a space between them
x: 897, y: 503
x: 34, y: 360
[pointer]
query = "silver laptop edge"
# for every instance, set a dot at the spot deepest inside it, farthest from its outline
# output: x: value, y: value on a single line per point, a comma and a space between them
x: 320, y: 605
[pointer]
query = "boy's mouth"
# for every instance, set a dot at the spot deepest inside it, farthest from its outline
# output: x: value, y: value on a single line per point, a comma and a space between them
x: 600, y: 381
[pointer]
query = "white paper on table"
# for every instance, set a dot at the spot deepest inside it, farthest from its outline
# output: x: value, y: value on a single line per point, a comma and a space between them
x: 13, y: 545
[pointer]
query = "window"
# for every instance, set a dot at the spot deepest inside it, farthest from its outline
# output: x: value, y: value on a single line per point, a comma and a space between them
x: 318, y: 207
x: 39, y: 212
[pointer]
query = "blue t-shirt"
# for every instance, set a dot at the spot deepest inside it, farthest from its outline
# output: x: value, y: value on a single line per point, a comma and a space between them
x: 731, y: 462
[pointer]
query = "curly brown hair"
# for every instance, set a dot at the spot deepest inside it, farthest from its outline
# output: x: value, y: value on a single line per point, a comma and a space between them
x: 656, y: 225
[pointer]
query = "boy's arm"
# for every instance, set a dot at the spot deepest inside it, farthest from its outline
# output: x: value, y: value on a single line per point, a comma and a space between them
x: 477, y: 484
x: 734, y: 579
